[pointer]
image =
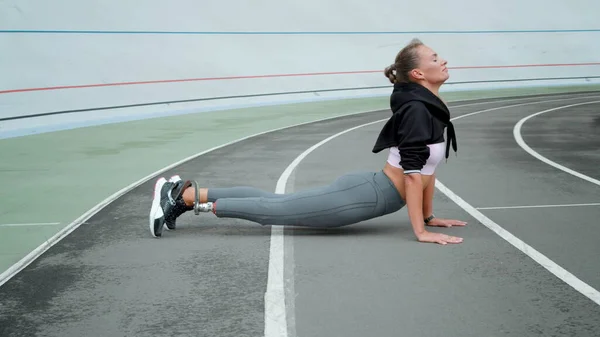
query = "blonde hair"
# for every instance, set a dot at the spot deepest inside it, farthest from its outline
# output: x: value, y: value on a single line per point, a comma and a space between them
x: 406, y: 60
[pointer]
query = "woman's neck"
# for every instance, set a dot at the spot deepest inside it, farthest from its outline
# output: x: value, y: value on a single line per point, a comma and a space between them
x: 434, y: 88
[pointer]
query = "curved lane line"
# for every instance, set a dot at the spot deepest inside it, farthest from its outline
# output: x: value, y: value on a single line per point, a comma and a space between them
x: 524, y: 146
x: 275, y: 309
x: 29, y: 258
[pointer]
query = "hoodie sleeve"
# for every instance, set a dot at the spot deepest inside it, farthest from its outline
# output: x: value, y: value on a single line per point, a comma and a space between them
x: 413, y: 132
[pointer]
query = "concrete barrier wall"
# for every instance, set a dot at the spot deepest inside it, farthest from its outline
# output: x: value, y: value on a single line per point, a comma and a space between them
x: 79, y: 55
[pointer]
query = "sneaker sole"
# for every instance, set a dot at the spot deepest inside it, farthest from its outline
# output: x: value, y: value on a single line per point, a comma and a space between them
x: 156, y: 209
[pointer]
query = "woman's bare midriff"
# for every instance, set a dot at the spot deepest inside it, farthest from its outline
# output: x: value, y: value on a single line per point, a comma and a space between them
x: 396, y: 175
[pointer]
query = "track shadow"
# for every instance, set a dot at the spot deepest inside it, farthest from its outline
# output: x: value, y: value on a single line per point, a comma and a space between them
x: 371, y: 228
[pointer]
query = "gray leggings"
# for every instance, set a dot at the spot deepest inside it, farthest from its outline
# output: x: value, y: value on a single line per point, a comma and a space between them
x: 351, y: 198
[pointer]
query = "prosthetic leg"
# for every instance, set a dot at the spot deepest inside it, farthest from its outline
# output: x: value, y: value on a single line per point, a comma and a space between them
x: 176, y: 200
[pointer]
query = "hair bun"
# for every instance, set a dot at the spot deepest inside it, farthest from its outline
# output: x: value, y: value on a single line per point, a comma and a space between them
x: 389, y: 72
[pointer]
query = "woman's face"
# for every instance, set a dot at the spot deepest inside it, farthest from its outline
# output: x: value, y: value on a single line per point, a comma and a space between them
x: 432, y: 68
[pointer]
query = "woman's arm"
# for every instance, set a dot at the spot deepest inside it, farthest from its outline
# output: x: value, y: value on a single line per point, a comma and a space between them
x: 428, y: 208
x: 415, y: 202
x: 413, y: 133
x: 428, y: 198
x: 413, y: 185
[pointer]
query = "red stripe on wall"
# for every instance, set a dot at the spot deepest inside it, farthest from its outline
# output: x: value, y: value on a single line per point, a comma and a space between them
x: 279, y: 75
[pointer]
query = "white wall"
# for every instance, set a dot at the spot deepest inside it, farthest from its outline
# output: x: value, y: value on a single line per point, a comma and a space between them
x: 36, y: 60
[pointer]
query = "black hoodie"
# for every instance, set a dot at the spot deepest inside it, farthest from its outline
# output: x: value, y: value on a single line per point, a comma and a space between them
x: 418, y: 119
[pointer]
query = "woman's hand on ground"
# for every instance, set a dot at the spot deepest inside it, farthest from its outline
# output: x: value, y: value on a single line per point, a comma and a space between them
x: 438, y: 238
x: 439, y: 222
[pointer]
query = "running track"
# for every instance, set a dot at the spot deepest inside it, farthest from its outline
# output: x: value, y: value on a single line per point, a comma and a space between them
x: 209, y: 278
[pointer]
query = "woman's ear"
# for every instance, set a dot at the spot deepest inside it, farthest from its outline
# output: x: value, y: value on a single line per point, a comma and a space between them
x: 417, y: 74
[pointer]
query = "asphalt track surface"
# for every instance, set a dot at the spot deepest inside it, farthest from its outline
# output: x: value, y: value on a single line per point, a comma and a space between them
x: 208, y: 278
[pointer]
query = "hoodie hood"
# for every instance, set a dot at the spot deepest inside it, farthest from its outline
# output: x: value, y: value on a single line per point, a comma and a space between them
x: 406, y: 92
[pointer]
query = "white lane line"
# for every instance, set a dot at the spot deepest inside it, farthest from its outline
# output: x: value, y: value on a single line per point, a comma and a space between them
x: 550, y: 265
x: 516, y: 100
x: 538, y: 257
x: 29, y: 224
x: 523, y: 104
x: 275, y: 308
x: 538, y: 206
x: 524, y: 146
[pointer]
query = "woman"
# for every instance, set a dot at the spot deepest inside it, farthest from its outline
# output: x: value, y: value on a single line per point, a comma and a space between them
x: 414, y: 136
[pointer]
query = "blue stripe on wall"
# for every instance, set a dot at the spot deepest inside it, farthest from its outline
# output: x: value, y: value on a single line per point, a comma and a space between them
x: 11, y: 31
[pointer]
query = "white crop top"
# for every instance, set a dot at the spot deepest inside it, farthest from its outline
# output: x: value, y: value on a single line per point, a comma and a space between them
x: 436, y: 154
